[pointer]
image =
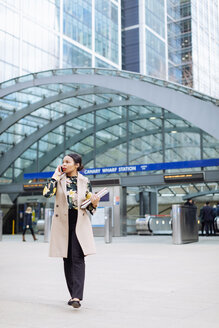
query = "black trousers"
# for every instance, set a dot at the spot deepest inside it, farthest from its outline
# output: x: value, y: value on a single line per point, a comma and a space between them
x: 208, y: 228
x: 74, y: 265
x: 202, y: 227
x: 25, y: 229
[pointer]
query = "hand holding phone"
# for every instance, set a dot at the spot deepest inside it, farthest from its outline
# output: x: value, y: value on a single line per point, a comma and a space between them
x: 58, y: 172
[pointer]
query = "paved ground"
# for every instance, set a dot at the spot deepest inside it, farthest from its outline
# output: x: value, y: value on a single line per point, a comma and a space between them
x: 136, y: 281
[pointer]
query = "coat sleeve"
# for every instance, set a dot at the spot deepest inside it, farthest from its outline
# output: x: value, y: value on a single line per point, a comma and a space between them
x: 50, y: 188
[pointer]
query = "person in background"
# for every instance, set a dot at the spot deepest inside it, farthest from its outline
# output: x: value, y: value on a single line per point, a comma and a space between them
x: 189, y: 202
x: 27, y: 224
x: 215, y: 214
x: 208, y: 217
x: 201, y: 218
x: 217, y: 210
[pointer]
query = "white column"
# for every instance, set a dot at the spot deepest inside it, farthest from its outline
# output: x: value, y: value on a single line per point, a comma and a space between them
x: 20, y: 40
x: 61, y: 35
x: 142, y: 38
x: 119, y: 35
x: 210, y: 48
x: 166, y: 38
x: 93, y: 33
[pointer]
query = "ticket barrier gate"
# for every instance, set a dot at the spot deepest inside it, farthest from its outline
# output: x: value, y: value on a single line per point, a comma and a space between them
x: 185, y: 225
x: 216, y: 223
x: 1, y: 224
x: 108, y: 227
x: 154, y: 224
x: 44, y: 226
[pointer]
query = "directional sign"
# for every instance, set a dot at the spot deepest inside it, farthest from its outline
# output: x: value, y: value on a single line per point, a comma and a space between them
x: 134, y: 168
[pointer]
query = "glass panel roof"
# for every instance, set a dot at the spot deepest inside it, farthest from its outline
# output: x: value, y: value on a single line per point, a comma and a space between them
x: 39, y: 118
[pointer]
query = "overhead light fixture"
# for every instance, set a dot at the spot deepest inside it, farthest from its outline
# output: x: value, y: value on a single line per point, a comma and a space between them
x: 152, y: 118
x: 174, y: 131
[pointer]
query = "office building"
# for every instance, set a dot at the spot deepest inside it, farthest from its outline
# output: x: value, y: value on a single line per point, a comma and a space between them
x: 49, y: 34
x: 175, y: 40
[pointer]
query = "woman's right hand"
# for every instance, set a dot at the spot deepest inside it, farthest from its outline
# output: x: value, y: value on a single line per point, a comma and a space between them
x: 58, y: 173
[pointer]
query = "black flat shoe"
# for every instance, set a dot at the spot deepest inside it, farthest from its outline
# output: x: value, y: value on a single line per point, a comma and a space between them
x: 76, y: 304
x: 70, y: 301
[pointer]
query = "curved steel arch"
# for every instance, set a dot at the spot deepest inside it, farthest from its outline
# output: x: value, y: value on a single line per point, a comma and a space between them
x: 88, y: 157
x: 18, y: 115
x: 45, y: 161
x: 56, y: 151
x: 169, y: 147
x: 202, y: 114
x: 11, y: 155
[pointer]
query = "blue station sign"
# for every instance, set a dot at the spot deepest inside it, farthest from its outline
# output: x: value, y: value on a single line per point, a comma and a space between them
x: 152, y: 167
x: 134, y: 168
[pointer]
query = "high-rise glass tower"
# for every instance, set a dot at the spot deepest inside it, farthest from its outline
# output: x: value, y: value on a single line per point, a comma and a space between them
x: 193, y: 44
x: 176, y: 40
x: 45, y: 34
x: 145, y: 37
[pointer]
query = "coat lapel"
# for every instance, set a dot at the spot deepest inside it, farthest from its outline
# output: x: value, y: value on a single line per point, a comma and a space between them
x: 82, y: 184
x: 63, y: 184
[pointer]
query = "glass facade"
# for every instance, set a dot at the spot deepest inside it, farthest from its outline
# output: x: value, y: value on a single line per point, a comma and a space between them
x: 85, y: 34
x: 155, y: 38
x: 180, y: 42
x: 130, y: 35
x: 74, y: 56
x: 106, y: 29
x: 77, y: 21
x: 144, y: 37
x: 155, y: 16
x: 57, y: 118
x: 155, y: 56
x: 48, y: 34
x: 193, y: 43
x: 101, y: 63
x: 205, y: 46
x: 176, y: 40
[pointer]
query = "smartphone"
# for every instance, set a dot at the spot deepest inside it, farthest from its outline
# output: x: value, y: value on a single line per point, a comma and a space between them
x: 61, y: 169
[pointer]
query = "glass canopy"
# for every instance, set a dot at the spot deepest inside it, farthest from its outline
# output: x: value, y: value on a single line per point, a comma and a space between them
x: 48, y: 114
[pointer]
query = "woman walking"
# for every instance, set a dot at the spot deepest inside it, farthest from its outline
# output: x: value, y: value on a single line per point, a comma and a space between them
x: 71, y: 231
x: 27, y: 224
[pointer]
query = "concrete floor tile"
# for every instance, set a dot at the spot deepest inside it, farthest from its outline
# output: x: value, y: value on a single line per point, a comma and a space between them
x: 135, y: 281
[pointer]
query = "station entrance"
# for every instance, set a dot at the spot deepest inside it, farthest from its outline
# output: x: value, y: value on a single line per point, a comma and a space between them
x: 130, y: 198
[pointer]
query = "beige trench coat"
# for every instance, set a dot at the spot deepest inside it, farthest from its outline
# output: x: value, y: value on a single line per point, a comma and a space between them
x: 59, y: 229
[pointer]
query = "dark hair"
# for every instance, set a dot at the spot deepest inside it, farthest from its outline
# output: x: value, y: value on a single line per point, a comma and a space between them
x: 77, y: 159
x: 207, y: 203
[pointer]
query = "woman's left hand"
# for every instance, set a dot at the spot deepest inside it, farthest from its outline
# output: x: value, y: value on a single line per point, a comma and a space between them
x: 95, y: 200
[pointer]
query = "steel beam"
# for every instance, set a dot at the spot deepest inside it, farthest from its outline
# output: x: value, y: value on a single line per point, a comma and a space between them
x: 128, y: 181
x: 8, y: 158
x: 51, y: 155
x: 21, y: 113
x: 104, y: 148
x: 201, y: 113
